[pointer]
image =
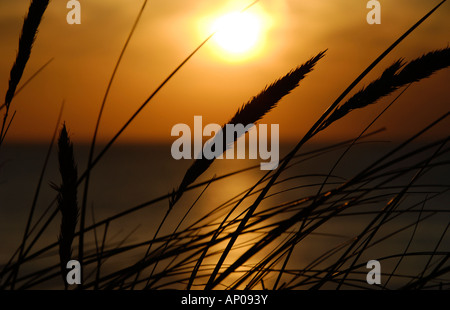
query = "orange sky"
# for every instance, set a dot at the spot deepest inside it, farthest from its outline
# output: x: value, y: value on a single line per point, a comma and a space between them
x: 209, y: 85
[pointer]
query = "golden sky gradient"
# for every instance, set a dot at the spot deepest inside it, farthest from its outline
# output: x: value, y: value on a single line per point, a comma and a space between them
x: 211, y: 84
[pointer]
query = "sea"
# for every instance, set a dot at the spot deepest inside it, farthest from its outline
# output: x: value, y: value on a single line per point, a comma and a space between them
x: 131, y: 175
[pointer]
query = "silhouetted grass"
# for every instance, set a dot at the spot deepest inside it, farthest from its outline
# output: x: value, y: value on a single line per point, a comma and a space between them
x: 391, y: 80
x: 243, y: 242
x: 250, y: 113
x: 67, y: 199
x: 26, y: 40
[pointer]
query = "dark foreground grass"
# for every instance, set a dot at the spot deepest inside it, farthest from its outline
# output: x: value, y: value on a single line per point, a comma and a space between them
x: 248, y: 241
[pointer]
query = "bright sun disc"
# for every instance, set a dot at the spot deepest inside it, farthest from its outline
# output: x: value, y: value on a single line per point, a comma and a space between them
x: 237, y: 33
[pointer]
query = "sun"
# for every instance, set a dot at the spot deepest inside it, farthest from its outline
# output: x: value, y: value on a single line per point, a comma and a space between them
x: 238, y: 32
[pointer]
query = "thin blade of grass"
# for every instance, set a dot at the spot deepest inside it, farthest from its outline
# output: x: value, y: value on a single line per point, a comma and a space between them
x: 94, y: 138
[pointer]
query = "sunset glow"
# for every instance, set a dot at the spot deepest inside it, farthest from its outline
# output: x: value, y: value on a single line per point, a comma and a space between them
x: 185, y: 148
x: 238, y: 32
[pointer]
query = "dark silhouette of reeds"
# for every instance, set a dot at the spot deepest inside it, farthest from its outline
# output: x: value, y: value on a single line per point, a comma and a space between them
x: 250, y: 113
x: 31, y: 78
x: 94, y: 138
x: 392, y: 79
x: 67, y: 199
x: 186, y: 249
x: 26, y: 40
